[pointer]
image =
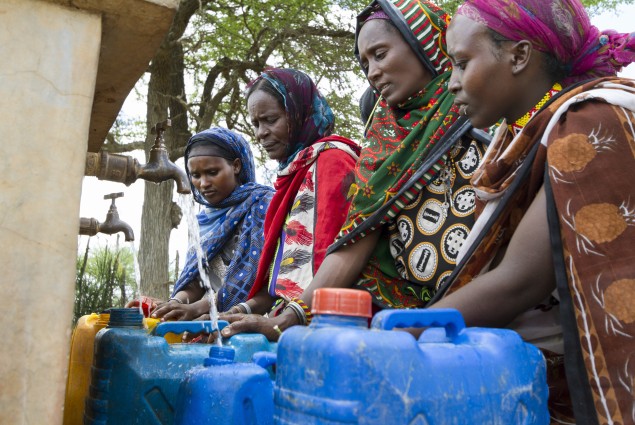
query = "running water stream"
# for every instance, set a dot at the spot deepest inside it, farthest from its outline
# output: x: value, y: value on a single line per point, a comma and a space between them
x: 137, y: 275
x: 194, y: 240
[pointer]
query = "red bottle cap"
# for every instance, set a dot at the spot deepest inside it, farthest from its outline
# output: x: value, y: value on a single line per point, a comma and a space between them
x: 343, y: 302
x: 146, y: 303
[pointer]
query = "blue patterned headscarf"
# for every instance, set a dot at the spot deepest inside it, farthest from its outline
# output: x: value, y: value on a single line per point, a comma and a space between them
x: 309, y: 115
x: 242, y: 211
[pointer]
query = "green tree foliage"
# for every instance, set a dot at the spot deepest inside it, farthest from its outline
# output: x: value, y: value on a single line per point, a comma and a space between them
x: 105, y: 278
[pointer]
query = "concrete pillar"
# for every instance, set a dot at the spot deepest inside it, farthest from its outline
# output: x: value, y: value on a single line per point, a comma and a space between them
x: 47, y: 80
x: 51, y: 61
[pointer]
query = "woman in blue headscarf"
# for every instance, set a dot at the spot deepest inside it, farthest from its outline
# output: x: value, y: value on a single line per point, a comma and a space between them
x: 220, y: 167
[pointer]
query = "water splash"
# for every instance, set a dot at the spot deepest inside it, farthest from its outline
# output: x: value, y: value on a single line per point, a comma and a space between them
x: 186, y: 202
x: 137, y: 275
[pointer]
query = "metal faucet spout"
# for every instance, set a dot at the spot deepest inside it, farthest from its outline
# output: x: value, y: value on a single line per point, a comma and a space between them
x: 160, y: 168
x: 112, y: 225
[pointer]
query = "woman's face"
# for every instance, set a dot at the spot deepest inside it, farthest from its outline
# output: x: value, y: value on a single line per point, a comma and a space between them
x: 482, y: 77
x: 391, y: 65
x: 270, y: 124
x: 214, y: 177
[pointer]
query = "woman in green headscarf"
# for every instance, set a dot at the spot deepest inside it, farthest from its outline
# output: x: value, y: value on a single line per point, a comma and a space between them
x: 407, y: 230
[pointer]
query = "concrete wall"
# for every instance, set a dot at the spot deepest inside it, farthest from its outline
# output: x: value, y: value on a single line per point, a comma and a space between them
x: 47, y: 80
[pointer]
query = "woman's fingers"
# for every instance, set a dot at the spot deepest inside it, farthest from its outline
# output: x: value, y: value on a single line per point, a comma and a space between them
x: 178, y: 312
x: 132, y: 303
x: 164, y: 308
x: 250, y: 323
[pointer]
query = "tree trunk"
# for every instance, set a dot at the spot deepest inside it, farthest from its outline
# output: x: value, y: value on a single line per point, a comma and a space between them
x: 155, y: 238
x: 165, y: 85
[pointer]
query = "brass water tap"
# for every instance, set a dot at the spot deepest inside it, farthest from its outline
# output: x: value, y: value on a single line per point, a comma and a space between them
x: 125, y: 169
x: 112, y: 225
x: 160, y: 168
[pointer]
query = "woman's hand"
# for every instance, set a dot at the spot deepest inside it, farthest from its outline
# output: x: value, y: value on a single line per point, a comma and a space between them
x: 144, y: 299
x: 173, y: 310
x: 234, y: 310
x: 251, y: 323
x: 147, y: 304
x: 270, y: 327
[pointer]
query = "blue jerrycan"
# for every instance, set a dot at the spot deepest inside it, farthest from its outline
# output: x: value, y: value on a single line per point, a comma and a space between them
x: 135, y: 376
x: 224, y: 392
x: 337, y: 371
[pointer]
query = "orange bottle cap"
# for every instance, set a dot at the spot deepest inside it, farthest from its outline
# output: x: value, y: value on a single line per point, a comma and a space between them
x: 343, y: 302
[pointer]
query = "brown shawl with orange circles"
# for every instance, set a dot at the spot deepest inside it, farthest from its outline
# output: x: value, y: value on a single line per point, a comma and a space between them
x: 586, y: 139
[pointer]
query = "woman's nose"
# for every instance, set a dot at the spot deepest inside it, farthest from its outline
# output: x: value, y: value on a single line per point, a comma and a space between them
x: 261, y: 131
x: 454, y: 85
x: 204, y: 181
x: 373, y: 73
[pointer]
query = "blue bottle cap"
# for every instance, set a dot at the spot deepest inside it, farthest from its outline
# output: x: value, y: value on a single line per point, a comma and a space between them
x: 219, y: 355
x: 125, y: 317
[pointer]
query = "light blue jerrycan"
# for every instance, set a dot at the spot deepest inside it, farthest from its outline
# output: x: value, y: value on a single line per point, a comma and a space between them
x: 224, y: 392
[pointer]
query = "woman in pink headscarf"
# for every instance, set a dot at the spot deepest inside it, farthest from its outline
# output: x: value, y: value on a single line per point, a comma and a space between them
x: 552, y: 252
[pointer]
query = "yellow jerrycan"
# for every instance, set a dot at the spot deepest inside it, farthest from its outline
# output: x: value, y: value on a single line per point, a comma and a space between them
x: 80, y: 360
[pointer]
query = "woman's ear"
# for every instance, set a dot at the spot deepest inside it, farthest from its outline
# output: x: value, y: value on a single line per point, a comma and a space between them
x: 521, y: 56
x: 237, y: 166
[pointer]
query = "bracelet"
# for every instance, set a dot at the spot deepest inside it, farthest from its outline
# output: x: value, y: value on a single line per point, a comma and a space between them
x: 245, y: 306
x: 277, y: 329
x: 303, y: 310
x: 297, y: 309
x: 176, y: 299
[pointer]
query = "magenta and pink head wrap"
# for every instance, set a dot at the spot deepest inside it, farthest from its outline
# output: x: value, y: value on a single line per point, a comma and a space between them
x: 560, y: 28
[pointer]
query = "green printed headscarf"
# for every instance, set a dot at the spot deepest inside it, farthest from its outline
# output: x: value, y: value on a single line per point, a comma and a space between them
x: 399, y: 139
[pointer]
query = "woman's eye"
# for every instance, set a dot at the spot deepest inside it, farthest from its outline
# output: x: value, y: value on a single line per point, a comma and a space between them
x: 381, y: 54
x: 272, y: 120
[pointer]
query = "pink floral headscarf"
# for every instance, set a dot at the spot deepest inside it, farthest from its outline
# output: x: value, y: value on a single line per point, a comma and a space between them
x: 558, y: 27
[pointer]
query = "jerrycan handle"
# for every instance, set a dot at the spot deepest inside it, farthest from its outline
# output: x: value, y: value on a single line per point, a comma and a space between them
x: 448, y: 318
x: 264, y: 359
x: 191, y: 327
